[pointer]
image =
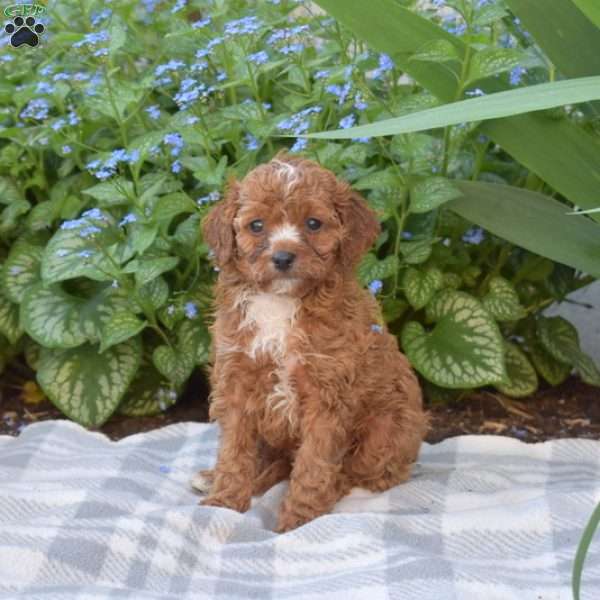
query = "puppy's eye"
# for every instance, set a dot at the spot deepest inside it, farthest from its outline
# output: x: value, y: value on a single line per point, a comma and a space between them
x: 313, y: 224
x: 257, y: 226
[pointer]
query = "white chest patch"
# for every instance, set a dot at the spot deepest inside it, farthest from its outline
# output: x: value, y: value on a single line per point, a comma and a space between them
x: 272, y: 316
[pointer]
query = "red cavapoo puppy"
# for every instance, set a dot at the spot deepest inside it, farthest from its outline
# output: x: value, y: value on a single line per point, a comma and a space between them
x: 306, y: 382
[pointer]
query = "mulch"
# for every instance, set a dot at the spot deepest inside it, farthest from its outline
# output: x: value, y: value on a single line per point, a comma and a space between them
x: 569, y: 410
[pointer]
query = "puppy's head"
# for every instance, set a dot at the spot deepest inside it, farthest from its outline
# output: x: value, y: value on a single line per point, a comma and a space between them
x: 288, y: 224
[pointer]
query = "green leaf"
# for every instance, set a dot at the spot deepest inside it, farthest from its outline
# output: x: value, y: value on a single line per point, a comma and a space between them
x: 509, y: 212
x: 371, y: 268
x: 52, y: 317
x: 111, y: 193
x: 464, y: 349
x: 21, y: 269
x: 175, y: 366
x: 493, y: 106
x: 56, y: 319
x: 384, y: 179
x: 154, y: 294
x: 561, y: 340
x: 492, y: 61
x: 420, y: 287
x: 430, y: 193
x: 147, y: 396
x: 584, y: 544
x: 552, y: 370
x: 188, y: 232
x: 587, y: 369
x: 65, y: 256
x: 437, y: 51
x: 415, y: 253
x: 521, y: 378
x: 118, y: 36
x: 9, y: 192
x: 9, y: 320
x: 85, y: 385
x: 148, y: 269
x: 553, y: 149
x: 569, y: 40
x: 591, y: 9
x: 120, y: 326
x: 502, y: 301
x: 170, y: 206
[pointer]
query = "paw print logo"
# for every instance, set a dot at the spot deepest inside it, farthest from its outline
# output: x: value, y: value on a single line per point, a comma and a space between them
x: 24, y: 31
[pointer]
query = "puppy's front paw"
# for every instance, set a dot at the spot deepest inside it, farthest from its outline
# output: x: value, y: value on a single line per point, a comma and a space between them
x: 202, y: 481
x: 289, y: 519
x: 239, y: 503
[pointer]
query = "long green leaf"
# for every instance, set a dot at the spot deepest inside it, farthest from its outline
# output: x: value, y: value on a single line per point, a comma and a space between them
x: 569, y: 39
x: 591, y: 9
x: 533, y: 221
x: 557, y: 150
x: 501, y: 104
x: 584, y: 544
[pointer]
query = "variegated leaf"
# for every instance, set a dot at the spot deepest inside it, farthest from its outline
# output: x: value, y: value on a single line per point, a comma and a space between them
x: 552, y: 370
x: 587, y: 369
x: 372, y: 268
x: 121, y: 326
x: 175, y: 366
x: 492, y: 61
x: 154, y: 294
x: 146, y: 270
x: 52, y: 317
x: 10, y: 327
x: 561, y: 340
x: 69, y: 255
x: 452, y: 280
x: 147, y: 395
x: 194, y: 339
x: 21, y: 269
x: 421, y: 286
x: 85, y: 385
x: 431, y: 193
x: 464, y: 349
x: 502, y: 301
x: 415, y: 253
x: 113, y: 192
x: 56, y: 319
x: 521, y: 377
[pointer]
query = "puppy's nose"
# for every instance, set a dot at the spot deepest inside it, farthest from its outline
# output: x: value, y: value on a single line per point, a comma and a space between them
x: 283, y: 260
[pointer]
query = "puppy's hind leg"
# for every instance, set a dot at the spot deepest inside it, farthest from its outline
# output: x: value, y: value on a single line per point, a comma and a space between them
x: 384, y: 454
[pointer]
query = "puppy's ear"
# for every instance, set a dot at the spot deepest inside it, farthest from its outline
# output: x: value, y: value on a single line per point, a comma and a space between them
x: 217, y: 226
x: 361, y: 225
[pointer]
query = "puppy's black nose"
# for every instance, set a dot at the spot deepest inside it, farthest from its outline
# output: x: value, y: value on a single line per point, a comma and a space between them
x: 283, y: 260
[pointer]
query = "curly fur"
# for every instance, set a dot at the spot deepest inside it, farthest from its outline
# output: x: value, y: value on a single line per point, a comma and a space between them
x: 302, y: 385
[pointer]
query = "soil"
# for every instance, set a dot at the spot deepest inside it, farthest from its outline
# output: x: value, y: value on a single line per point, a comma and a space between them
x: 569, y: 410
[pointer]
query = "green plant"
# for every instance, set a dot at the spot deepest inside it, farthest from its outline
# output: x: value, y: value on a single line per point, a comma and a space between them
x: 118, y: 133
x: 584, y: 544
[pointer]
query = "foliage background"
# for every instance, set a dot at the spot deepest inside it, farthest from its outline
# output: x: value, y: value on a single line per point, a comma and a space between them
x: 119, y: 131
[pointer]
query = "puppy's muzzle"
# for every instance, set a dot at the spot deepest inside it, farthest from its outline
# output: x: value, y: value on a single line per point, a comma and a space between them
x: 283, y: 260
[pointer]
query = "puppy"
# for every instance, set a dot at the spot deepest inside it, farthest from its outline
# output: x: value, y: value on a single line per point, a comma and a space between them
x: 307, y: 383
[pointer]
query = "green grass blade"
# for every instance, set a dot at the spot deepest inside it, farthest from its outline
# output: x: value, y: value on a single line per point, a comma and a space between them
x: 532, y: 221
x: 494, y: 106
x: 558, y: 151
x: 569, y: 39
x: 591, y: 9
x: 584, y: 544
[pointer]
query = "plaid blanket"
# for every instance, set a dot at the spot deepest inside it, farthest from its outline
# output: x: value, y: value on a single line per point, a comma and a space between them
x: 487, y: 518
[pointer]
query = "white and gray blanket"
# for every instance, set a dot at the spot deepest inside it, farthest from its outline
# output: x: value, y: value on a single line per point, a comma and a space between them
x: 487, y: 518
